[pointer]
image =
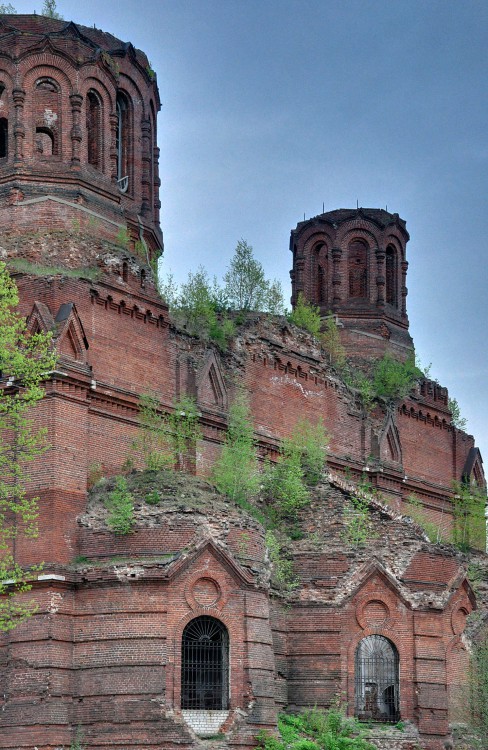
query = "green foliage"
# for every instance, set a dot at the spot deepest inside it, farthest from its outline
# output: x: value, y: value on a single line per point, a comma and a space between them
x: 235, y: 472
x: 49, y: 9
x: 153, y: 498
x: 331, y: 341
x: 184, y: 427
x: 316, y: 729
x: 25, y: 266
x: 197, y: 306
x: 392, y: 379
x: 25, y: 361
x: 282, y: 567
x: 95, y: 474
x: 77, y: 743
x: 305, y: 315
x: 120, y: 506
x: 469, y: 528
x: 284, y: 485
x: 415, y: 509
x: 300, y: 464
x: 153, y: 439
x: 456, y: 419
x: 166, y: 440
x: 358, y: 521
x: 122, y: 237
x: 479, y: 691
x: 246, y: 286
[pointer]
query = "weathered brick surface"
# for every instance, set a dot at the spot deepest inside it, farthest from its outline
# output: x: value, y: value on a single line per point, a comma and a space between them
x: 103, y: 650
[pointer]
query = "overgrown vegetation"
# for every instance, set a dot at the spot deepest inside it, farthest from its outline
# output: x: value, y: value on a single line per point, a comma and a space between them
x: 306, y: 316
x: 456, y: 419
x: 49, y: 9
x: 316, y: 730
x: 298, y: 467
x: 469, y: 527
x: 357, y: 518
x: 120, y: 506
x: 246, y: 286
x: 416, y: 511
x: 202, y: 306
x: 167, y: 440
x: 235, y: 473
x: 25, y: 266
x: 478, y: 683
x: 393, y: 379
x: 25, y: 361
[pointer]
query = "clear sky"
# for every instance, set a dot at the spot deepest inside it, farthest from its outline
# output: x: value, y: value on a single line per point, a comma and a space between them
x: 272, y: 108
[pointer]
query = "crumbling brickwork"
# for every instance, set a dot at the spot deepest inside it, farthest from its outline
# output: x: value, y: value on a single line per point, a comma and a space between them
x: 104, y: 651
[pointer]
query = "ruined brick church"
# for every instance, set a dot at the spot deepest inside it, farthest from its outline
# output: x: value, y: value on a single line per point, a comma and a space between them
x: 175, y: 633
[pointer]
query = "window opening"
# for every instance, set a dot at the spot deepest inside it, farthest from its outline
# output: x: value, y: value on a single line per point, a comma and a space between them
x: 125, y: 271
x: 377, y: 680
x: 205, y: 665
x: 122, y: 143
x: 45, y: 142
x: 3, y: 137
x: 143, y: 278
x: 358, y: 270
x: 94, y: 129
x: 391, y: 276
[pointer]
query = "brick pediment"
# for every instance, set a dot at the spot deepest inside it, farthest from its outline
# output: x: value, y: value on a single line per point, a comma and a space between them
x: 203, y: 555
x: 210, y: 384
x: 70, y: 337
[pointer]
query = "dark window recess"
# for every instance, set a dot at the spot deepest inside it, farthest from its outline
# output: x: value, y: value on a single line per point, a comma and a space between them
x: 94, y: 130
x: 125, y: 271
x: 391, y: 276
x: 122, y: 141
x: 358, y: 270
x: 3, y: 137
x: 377, y: 680
x: 46, y: 142
x: 205, y: 665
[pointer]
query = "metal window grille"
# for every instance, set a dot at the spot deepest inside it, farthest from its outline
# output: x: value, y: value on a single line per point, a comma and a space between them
x: 205, y: 665
x: 377, y: 680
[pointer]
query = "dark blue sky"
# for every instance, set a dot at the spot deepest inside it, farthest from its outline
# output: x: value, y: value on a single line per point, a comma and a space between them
x: 273, y: 107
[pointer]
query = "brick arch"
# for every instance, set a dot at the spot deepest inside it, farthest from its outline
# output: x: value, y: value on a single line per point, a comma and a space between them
x: 236, y: 640
x: 37, y: 71
x: 457, y: 665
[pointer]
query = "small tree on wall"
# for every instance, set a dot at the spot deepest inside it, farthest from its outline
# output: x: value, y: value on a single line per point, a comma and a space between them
x: 24, y: 361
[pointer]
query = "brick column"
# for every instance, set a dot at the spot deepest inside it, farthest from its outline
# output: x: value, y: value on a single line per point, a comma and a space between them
x: 76, y: 100
x: 157, y: 183
x: 380, y: 277
x: 146, y: 166
x: 404, y: 288
x: 113, y: 146
x: 19, y: 130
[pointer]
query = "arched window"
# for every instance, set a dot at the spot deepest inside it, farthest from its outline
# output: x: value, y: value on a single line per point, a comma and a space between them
x: 205, y: 665
x: 377, y: 680
x: 3, y: 137
x: 320, y: 274
x: 94, y: 129
x: 358, y: 269
x: 391, y: 276
x: 125, y: 271
x: 123, y: 142
x: 47, y: 113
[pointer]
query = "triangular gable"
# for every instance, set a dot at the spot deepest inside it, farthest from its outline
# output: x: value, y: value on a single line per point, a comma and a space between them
x: 374, y: 568
x: 241, y: 575
x: 390, y: 446
x: 72, y: 30
x: 70, y: 337
x: 210, y: 384
x: 40, y: 319
x: 473, y: 469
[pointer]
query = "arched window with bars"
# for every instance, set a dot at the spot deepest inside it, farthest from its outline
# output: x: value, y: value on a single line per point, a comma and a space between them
x: 205, y: 665
x: 377, y: 686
